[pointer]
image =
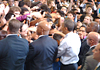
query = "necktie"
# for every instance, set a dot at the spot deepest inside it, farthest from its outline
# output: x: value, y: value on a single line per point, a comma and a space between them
x: 97, y: 68
x: 99, y: 10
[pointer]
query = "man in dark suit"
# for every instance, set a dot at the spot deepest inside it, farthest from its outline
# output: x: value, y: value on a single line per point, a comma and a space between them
x: 13, y: 50
x: 92, y: 41
x: 43, y: 51
x: 92, y: 27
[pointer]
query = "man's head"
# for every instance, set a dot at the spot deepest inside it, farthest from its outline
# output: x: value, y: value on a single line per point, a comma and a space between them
x: 11, y: 3
x: 58, y: 38
x: 71, y: 15
x: 51, y: 3
x: 4, y: 2
x: 15, y: 10
x: 93, y: 26
x: 24, y: 30
x: 92, y: 38
x: 43, y: 28
x: 96, y: 52
x: 87, y: 19
x: 82, y: 31
x: 97, y: 19
x: 14, y: 26
x: 16, y: 3
x: 64, y: 9
x: 67, y: 26
x: 89, y: 9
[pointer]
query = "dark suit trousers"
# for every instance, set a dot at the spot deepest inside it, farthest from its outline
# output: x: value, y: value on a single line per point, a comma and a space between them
x: 69, y: 67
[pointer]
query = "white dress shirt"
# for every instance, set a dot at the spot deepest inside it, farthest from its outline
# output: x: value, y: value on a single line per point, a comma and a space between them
x: 69, y: 49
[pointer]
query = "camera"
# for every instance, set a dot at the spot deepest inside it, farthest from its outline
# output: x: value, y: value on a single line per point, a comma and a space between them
x: 29, y: 17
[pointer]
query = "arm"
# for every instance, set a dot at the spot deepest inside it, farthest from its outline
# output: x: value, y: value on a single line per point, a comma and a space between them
x: 70, y: 6
x: 61, y: 49
x: 82, y: 5
x: 23, y: 17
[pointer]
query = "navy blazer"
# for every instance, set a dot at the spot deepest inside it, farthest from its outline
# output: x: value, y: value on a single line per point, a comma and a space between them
x: 42, y: 54
x: 13, y: 52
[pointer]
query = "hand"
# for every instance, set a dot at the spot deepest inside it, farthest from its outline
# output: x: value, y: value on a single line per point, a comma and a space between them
x: 57, y: 60
x: 58, y: 0
x: 85, y: 1
x: 93, y: 3
x: 71, y: 1
x: 79, y: 67
x: 36, y: 14
x: 35, y: 7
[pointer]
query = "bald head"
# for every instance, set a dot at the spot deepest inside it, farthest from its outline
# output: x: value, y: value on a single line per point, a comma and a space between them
x: 43, y: 28
x: 93, y: 38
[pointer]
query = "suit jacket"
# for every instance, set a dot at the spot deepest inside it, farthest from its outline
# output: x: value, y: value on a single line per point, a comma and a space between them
x: 13, y: 52
x: 90, y: 63
x: 86, y: 55
x: 42, y: 54
x: 83, y: 50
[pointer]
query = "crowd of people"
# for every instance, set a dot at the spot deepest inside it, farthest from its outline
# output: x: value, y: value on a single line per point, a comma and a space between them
x: 50, y: 35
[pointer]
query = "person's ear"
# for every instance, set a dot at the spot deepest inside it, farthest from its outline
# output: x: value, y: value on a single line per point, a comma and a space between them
x: 19, y: 31
x: 66, y: 28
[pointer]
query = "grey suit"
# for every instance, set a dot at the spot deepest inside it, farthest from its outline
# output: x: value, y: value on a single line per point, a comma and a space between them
x: 90, y: 63
x: 90, y: 52
x: 86, y: 55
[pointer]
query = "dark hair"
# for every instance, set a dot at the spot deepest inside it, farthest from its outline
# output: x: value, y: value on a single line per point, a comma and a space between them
x: 61, y: 13
x: 71, y: 12
x: 69, y: 24
x: 83, y: 25
x: 14, y: 26
x: 14, y: 8
x: 96, y: 18
x: 57, y: 36
x: 47, y: 16
x: 35, y: 4
x: 65, y: 7
x: 28, y: 3
x: 8, y: 16
x: 89, y: 6
x: 21, y: 3
x: 45, y: 8
x: 23, y: 9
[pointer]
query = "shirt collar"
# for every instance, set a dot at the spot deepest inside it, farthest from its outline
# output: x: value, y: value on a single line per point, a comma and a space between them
x: 41, y: 36
x: 68, y: 33
x: 98, y: 64
x: 11, y: 34
x: 93, y: 46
